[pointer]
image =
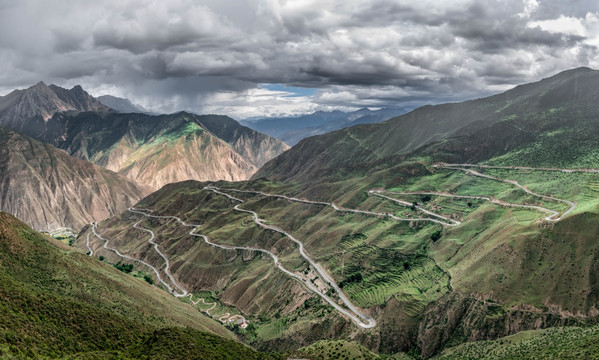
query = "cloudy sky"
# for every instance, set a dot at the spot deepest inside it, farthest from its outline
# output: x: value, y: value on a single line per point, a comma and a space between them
x: 273, y: 57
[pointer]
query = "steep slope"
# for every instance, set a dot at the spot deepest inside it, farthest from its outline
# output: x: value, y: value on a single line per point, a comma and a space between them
x: 28, y: 111
x: 49, y: 189
x: 254, y: 146
x: 157, y: 150
x: 59, y: 302
x: 478, y: 129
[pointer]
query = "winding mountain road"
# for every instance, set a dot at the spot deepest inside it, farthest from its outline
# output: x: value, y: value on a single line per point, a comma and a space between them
x: 351, y: 311
x: 483, y: 166
x: 486, y: 198
x: 183, y: 293
x: 167, y: 270
x: 449, y: 221
x: 91, y: 252
x: 116, y: 251
x: 554, y: 217
x: 360, y: 319
x: 356, y: 315
x: 445, y: 220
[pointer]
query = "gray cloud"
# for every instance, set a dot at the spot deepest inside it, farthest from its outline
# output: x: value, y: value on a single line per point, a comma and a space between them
x: 213, y: 55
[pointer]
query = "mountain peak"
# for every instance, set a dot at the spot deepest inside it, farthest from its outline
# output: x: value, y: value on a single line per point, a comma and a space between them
x: 28, y: 111
x: 40, y: 86
x: 77, y: 89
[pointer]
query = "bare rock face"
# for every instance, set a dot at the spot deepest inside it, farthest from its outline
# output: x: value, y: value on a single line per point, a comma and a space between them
x: 157, y: 150
x: 48, y: 189
x: 254, y: 146
x: 197, y: 155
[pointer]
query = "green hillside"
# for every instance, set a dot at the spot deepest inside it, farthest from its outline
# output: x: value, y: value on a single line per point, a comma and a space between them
x: 523, y: 122
x: 59, y: 302
x: 551, y: 344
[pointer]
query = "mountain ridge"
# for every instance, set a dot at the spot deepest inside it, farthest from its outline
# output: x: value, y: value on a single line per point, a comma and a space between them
x: 156, y: 150
x: 49, y: 189
x: 151, y: 150
x: 422, y: 127
x: 293, y: 129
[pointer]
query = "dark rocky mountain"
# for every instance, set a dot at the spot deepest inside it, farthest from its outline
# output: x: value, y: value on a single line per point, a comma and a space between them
x: 28, y: 111
x: 293, y: 129
x: 48, y: 189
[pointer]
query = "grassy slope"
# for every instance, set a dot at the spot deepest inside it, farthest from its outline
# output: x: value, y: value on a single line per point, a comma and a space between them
x: 526, y: 121
x: 340, y: 349
x: 559, y: 343
x: 58, y: 302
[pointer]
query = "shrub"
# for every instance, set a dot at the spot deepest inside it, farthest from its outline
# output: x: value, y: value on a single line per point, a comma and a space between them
x: 436, y: 235
x: 126, y: 268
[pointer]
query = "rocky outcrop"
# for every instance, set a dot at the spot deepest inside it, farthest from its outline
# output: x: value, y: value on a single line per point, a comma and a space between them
x: 48, y: 189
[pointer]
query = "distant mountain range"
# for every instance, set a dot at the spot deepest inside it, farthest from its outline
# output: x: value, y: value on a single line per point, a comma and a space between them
x: 151, y: 151
x: 292, y: 129
x: 122, y: 105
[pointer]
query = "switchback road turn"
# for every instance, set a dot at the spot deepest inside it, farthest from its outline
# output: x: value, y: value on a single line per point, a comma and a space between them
x: 554, y: 217
x: 365, y: 322
x: 356, y: 315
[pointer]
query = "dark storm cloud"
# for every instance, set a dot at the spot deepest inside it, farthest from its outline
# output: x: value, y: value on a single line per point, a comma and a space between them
x: 184, y: 54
